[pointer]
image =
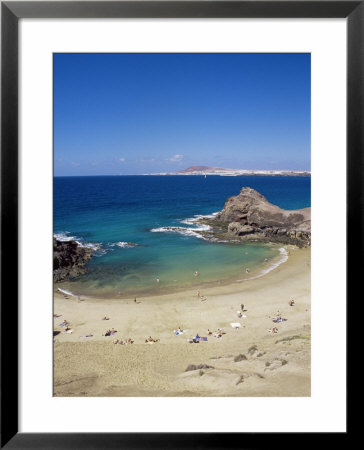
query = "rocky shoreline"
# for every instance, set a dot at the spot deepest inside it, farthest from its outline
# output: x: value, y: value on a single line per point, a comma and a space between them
x: 69, y: 259
x: 249, y: 216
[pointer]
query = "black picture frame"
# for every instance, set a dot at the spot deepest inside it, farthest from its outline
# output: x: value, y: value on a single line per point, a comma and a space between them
x: 11, y: 12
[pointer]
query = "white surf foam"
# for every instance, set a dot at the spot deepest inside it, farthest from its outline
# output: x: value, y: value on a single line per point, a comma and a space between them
x: 64, y: 236
x: 186, y: 231
x: 123, y: 244
x: 64, y: 291
x: 282, y: 259
x: 96, y: 246
x: 193, y: 220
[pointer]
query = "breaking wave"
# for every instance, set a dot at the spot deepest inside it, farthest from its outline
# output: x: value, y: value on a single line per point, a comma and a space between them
x: 65, y: 236
x: 183, y: 230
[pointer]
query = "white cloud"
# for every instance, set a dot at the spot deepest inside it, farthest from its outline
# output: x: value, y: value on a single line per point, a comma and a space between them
x: 121, y: 159
x: 175, y: 158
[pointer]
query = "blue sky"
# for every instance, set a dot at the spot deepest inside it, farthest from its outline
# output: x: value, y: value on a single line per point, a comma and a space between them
x: 147, y: 113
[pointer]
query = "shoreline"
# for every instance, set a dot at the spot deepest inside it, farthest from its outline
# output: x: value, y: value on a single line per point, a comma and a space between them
x: 280, y: 365
x: 261, y: 270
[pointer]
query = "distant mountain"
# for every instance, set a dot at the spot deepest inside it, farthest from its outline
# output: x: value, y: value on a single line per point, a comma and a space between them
x: 192, y: 169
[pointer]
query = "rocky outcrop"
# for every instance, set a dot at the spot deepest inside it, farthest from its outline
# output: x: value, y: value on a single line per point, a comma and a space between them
x: 69, y: 259
x: 249, y: 216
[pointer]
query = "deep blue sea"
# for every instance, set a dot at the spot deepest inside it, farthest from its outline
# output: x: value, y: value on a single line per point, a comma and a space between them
x: 110, y: 212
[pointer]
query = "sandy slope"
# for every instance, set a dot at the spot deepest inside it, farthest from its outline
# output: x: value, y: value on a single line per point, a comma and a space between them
x: 276, y: 364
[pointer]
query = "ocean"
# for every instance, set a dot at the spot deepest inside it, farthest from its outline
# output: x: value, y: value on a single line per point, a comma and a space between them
x: 126, y: 219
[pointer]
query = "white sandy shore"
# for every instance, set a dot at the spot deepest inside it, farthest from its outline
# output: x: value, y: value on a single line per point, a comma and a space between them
x: 96, y: 367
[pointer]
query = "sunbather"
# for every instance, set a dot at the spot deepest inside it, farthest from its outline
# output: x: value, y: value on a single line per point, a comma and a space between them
x: 150, y: 339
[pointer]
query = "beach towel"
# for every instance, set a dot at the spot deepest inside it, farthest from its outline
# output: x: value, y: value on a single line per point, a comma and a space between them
x: 176, y: 332
x: 235, y: 324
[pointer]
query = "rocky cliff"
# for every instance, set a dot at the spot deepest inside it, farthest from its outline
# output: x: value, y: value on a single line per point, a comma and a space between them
x: 249, y: 216
x: 69, y: 259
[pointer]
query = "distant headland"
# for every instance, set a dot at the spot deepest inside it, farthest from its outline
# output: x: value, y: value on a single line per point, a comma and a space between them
x: 206, y: 170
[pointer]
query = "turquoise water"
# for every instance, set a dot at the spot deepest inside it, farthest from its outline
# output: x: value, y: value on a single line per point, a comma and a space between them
x: 109, y: 213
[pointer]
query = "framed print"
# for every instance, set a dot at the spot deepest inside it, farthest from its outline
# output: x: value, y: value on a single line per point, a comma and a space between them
x: 160, y: 165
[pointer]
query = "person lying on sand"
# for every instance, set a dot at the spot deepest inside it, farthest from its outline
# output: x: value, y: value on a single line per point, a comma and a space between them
x: 57, y: 315
x: 178, y: 331
x: 197, y: 339
x: 105, y: 318
x: 278, y: 319
x: 67, y: 330
x: 110, y: 332
x: 273, y: 330
x: 150, y: 339
x: 219, y: 333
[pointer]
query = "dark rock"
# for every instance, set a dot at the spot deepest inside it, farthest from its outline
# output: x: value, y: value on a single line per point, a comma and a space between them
x: 240, y: 358
x: 249, y: 216
x: 69, y: 259
x: 200, y: 366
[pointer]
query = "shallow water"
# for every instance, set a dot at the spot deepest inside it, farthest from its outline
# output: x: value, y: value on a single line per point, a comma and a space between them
x: 110, y: 213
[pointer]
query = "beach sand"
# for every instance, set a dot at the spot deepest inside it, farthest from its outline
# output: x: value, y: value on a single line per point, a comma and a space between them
x: 249, y: 361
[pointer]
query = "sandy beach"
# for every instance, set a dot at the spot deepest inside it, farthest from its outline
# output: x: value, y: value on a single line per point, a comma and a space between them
x: 250, y: 361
